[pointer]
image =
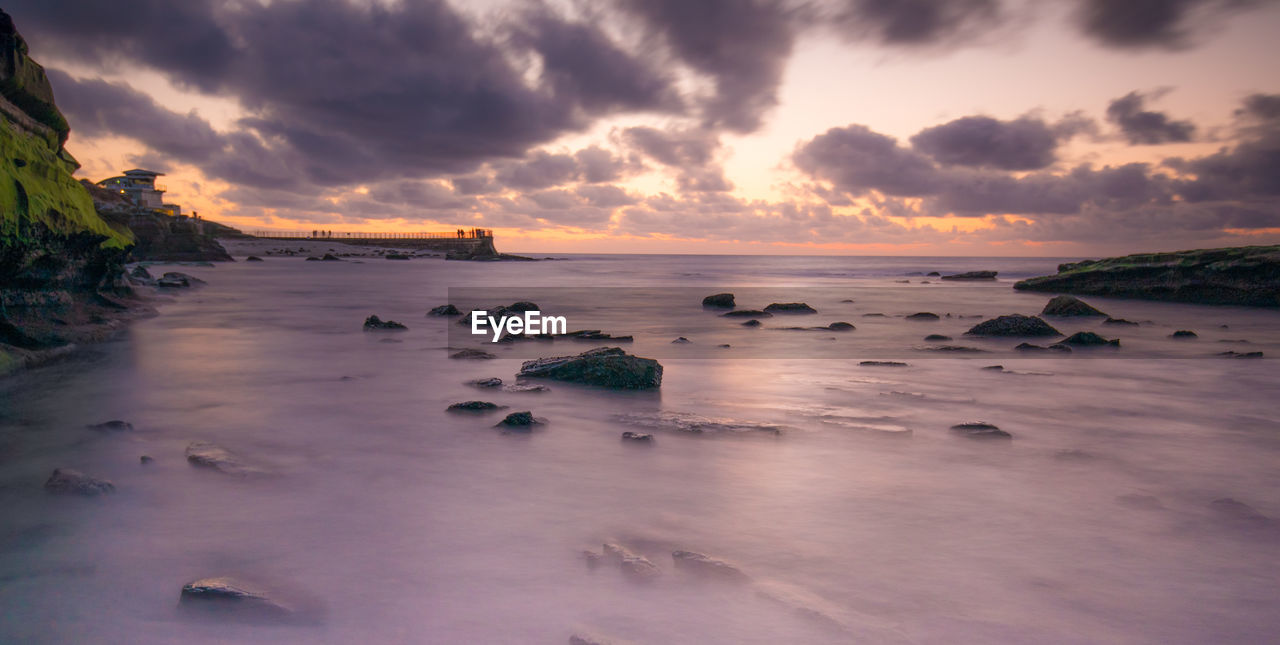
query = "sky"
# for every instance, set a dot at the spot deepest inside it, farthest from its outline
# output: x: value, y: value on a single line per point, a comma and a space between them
x: 859, y: 127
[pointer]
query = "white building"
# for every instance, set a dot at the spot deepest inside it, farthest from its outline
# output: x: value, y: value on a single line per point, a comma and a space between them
x: 140, y: 186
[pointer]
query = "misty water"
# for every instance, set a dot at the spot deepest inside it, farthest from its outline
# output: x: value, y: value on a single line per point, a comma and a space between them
x: 837, y: 488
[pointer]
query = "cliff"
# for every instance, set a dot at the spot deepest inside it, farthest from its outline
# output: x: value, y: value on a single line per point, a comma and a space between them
x: 1248, y: 275
x: 61, y: 263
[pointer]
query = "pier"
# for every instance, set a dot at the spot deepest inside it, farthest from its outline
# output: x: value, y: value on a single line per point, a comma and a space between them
x: 471, y: 241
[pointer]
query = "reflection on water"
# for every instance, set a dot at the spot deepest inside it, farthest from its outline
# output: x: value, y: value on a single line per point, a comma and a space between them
x: 862, y: 519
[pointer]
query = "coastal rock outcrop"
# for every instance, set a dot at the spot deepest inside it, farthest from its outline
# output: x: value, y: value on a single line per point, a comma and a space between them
x: 374, y: 323
x: 706, y: 566
x: 635, y: 567
x: 473, y: 406
x: 721, y: 300
x: 1069, y: 306
x: 65, y: 480
x: 609, y: 367
x: 1248, y: 275
x: 980, y: 430
x: 444, y: 310
x: 790, y: 308
x: 972, y: 275
x: 1089, y: 339
x: 1013, y: 325
x: 923, y: 315
x: 235, y: 598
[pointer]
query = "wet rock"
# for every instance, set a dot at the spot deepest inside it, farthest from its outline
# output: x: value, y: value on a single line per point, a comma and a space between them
x: 486, y: 382
x: 605, y: 367
x: 396, y: 256
x: 374, y: 323
x: 707, y: 566
x: 526, y: 387
x: 145, y: 459
x: 936, y: 337
x: 848, y: 300
x: 722, y: 300
x: 1059, y: 347
x: 955, y: 349
x: 253, y: 258
x: 994, y: 368
x: 923, y: 315
x: 1118, y: 321
x: 444, y: 310
x: 639, y: 437
x: 934, y: 274
x: 752, y: 323
x: 68, y: 481
x: 1069, y: 306
x: 173, y: 283
x: 748, y: 313
x: 214, y: 457
x: 972, y: 275
x: 681, y: 341
x: 874, y: 315
x: 841, y: 326
x: 115, y: 425
x: 519, y: 420
x: 472, y: 354
x: 1013, y: 325
x: 1183, y: 333
x: 635, y: 567
x: 473, y: 406
x: 980, y: 430
x: 1089, y: 339
x: 790, y: 308
x: 141, y: 273
x: 882, y: 364
x: 234, y: 598
x: 1234, y: 354
x: 1028, y: 347
x: 329, y: 257
x: 724, y: 346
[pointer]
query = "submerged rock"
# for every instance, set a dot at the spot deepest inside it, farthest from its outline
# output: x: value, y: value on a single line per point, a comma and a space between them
x: 374, y: 323
x: 954, y: 348
x: 841, y: 326
x: 1184, y: 333
x: 635, y: 567
x: 639, y: 437
x: 605, y: 367
x: 253, y: 258
x: 1089, y: 339
x: 707, y: 566
x: 212, y: 456
x: 486, y: 382
x: 936, y: 337
x: 115, y: 425
x: 752, y: 323
x: 66, y: 480
x: 722, y: 300
x: 972, y: 275
x: 1234, y: 354
x: 518, y: 420
x: 145, y: 459
x: 396, y: 256
x: 790, y: 308
x: 748, y: 313
x: 1118, y: 321
x: 923, y: 315
x: 882, y: 364
x: 473, y: 406
x: 444, y: 310
x: 1069, y: 306
x: 980, y: 430
x: 1013, y: 325
x: 681, y: 341
x: 234, y: 598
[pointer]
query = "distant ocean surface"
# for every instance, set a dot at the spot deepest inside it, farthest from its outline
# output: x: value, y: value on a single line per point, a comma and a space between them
x: 838, y: 489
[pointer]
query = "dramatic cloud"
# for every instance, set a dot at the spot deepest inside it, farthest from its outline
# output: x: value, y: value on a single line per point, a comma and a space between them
x: 1144, y: 127
x: 1166, y: 24
x: 856, y: 160
x: 1022, y: 144
x: 743, y: 45
x: 918, y: 23
x: 690, y: 152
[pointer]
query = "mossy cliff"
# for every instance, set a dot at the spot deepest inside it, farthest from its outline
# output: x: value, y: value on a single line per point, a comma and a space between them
x: 60, y: 261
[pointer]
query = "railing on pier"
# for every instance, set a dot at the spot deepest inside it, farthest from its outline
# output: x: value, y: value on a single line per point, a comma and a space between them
x: 460, y: 234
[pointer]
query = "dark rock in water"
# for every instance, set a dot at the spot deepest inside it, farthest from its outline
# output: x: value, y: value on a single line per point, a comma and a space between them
x: 955, y: 348
x: 233, y: 598
x: 936, y: 337
x: 972, y: 275
x: 472, y: 354
x: 374, y: 323
x: 1089, y: 339
x: 329, y: 257
x: 748, y: 313
x: 1118, y: 321
x: 752, y: 323
x: 172, y: 283
x: 473, y: 406
x: 253, y: 258
x: 313, y: 259
x: 841, y: 326
x: 724, y: 346
x: 933, y: 274
x: 518, y: 420
x: 145, y: 459
x: 396, y: 256
x: 486, y: 382
x: 874, y: 315
x: 641, y: 437
x: 635, y: 567
x: 707, y: 566
x: 980, y: 430
x: 1237, y: 511
x: 790, y: 308
x: 1183, y: 333
x: 115, y: 425
x: 722, y: 300
x: 1060, y: 347
x: 1028, y: 347
x: 994, y: 368
x: 882, y: 364
x: 605, y: 366
x: 175, y: 279
x: 923, y: 315
x: 1248, y: 275
x: 522, y: 306
x: 847, y: 300
x: 681, y: 341
x: 1013, y: 325
x: 1069, y: 306
x: 140, y: 272
x: 214, y: 457
x: 1234, y: 354
x: 526, y: 387
x: 444, y: 310
x: 65, y: 480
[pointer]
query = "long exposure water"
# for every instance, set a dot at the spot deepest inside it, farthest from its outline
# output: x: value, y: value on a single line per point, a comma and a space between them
x: 837, y: 488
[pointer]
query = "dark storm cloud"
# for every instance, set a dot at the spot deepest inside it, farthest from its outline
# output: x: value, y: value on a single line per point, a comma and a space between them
x: 918, y: 23
x: 1264, y: 108
x: 1248, y: 171
x: 1022, y: 144
x: 691, y: 152
x: 1145, y: 127
x: 539, y: 170
x: 1166, y: 24
x: 99, y: 108
x: 856, y: 159
x: 743, y: 45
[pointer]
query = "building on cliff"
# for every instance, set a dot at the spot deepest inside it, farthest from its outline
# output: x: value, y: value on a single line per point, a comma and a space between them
x: 140, y: 187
